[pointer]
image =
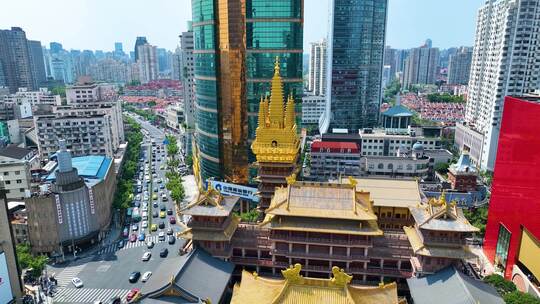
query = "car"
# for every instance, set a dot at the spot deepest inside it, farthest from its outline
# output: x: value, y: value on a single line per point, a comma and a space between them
x: 133, y: 237
x: 162, y: 207
x: 164, y: 252
x: 153, y: 227
x: 125, y: 232
x: 144, y: 207
x: 155, y: 214
x: 77, y: 282
x: 162, y: 214
x: 134, y: 276
x: 172, y: 220
x: 142, y: 236
x: 161, y: 236
x: 144, y: 224
x: 154, y: 196
x: 146, y: 276
x: 132, y: 293
x: 135, y: 227
x: 115, y: 300
x: 155, y: 204
x: 146, y: 256
x: 136, y: 203
x: 172, y: 239
x: 150, y: 244
x: 169, y: 212
x: 161, y: 225
x: 162, y: 186
x: 120, y: 244
x: 159, y: 181
x: 169, y: 231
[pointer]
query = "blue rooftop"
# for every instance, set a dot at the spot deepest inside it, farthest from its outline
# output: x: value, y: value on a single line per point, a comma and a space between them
x: 88, y: 167
x: 398, y: 110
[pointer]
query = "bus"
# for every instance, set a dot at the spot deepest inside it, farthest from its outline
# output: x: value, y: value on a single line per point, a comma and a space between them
x: 136, y: 215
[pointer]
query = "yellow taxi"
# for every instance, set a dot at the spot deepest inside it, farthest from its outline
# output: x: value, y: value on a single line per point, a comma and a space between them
x: 162, y: 214
x: 153, y: 227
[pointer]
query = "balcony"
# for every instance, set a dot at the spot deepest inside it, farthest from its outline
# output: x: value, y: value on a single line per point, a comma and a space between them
x: 444, y: 241
x: 382, y: 271
x: 326, y: 241
x: 320, y: 255
x: 211, y: 225
x: 252, y: 261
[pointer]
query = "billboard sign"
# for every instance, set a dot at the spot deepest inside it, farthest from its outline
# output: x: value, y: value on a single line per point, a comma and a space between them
x: 5, y: 286
x: 235, y: 190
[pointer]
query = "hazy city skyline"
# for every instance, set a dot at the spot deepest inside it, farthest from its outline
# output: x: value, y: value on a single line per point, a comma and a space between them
x: 98, y: 24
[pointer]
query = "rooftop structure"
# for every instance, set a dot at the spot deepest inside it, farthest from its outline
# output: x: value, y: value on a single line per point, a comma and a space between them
x: 331, y: 159
x: 193, y: 278
x: 295, y: 288
x: 462, y: 175
x: 438, y: 236
x: 92, y: 167
x: 450, y: 286
x: 276, y: 144
x: 397, y: 117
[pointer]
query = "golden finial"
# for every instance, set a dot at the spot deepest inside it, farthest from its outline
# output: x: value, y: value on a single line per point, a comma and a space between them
x: 291, y: 179
x: 442, y: 198
x: 255, y: 275
x: 276, y: 66
x: 340, y: 279
x: 352, y: 181
x: 292, y: 274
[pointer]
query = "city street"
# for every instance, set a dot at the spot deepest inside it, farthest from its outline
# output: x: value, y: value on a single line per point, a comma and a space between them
x: 105, y: 273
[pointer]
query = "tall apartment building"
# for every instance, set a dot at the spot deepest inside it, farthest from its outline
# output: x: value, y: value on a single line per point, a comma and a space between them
x: 355, y: 62
x: 390, y: 60
x: 421, y: 66
x: 459, y: 66
x: 15, y: 59
x: 317, y: 68
x: 187, y: 75
x: 138, y: 42
x: 236, y: 43
x: 36, y: 62
x: 503, y: 63
x: 148, y: 64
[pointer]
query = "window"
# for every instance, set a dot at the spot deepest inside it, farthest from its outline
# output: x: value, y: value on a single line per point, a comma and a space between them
x: 501, y: 251
x: 17, y: 172
x: 8, y: 182
x: 19, y: 181
x: 380, y: 166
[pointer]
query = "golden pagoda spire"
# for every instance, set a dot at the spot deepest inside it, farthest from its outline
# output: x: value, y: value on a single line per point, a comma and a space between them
x: 275, y: 111
x: 289, y: 113
x: 262, y: 114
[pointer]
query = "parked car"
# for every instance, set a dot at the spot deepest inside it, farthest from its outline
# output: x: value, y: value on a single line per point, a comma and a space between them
x: 132, y: 293
x: 164, y: 252
x: 77, y: 282
x: 134, y: 277
x: 146, y: 276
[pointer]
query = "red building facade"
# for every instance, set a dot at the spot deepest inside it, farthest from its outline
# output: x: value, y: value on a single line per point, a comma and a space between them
x: 515, y: 197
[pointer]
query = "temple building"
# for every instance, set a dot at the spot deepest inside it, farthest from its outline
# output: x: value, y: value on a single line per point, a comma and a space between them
x: 212, y: 223
x: 438, y: 236
x: 276, y: 143
x: 295, y: 288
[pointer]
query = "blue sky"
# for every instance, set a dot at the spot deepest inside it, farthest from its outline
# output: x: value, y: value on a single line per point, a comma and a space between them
x: 97, y: 24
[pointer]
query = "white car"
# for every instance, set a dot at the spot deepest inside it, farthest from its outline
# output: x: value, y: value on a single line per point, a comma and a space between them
x: 161, y: 236
x: 146, y: 276
x: 146, y: 256
x: 77, y: 282
x: 145, y: 224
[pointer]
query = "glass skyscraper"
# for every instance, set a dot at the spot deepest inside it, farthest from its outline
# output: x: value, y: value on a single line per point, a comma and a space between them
x: 355, y: 52
x: 235, y: 46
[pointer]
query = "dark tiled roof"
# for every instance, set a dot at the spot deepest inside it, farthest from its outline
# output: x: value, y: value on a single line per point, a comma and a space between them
x: 14, y: 152
x: 450, y: 286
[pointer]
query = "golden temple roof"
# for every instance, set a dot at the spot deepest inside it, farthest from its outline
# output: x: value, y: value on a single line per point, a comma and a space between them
x: 419, y: 248
x: 440, y: 215
x: 321, y: 200
x: 201, y: 234
x: 387, y: 192
x: 296, y: 289
x: 276, y: 139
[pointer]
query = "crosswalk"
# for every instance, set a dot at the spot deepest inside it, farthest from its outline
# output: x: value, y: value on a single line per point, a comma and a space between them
x: 87, y: 295
x: 128, y: 245
x: 64, y: 277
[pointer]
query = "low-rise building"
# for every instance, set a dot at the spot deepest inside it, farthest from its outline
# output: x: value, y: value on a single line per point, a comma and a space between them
x: 15, y: 169
x: 462, y: 175
x: 312, y: 108
x: 87, y: 91
x: 174, y: 116
x: 42, y: 96
x: 19, y: 221
x: 379, y: 142
x: 331, y: 159
x: 73, y: 207
x: 412, y: 163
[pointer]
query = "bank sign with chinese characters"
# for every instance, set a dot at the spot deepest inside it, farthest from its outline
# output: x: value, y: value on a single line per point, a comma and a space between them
x: 236, y: 190
x: 5, y: 287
